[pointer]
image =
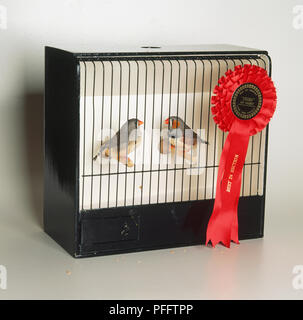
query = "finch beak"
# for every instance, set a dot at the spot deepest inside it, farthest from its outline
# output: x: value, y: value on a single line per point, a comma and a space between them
x: 167, y: 121
x: 176, y: 124
x: 140, y: 122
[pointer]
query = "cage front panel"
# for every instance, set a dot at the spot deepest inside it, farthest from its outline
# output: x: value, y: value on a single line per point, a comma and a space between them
x: 156, y: 226
x: 130, y: 203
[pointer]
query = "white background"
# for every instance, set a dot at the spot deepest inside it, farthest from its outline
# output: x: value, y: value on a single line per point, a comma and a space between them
x: 37, y: 267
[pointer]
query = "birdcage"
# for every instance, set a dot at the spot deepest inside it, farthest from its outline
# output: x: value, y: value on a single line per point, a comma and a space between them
x: 103, y: 196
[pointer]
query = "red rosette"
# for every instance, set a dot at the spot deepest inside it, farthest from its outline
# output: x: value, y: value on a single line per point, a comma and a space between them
x: 228, y: 84
x: 244, y: 102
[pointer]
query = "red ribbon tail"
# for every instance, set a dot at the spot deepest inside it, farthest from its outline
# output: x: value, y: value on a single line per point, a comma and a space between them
x: 215, y: 237
x: 223, y: 223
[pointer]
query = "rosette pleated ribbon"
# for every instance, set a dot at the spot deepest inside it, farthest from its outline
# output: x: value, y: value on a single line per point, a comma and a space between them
x: 244, y: 101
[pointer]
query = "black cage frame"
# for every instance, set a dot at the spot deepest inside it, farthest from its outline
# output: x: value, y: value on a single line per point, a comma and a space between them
x: 85, y: 233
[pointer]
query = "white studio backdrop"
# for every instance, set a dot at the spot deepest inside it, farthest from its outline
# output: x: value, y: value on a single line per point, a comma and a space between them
x: 27, y: 26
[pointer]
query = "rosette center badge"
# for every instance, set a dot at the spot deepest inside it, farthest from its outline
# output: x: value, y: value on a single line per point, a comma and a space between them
x: 246, y: 101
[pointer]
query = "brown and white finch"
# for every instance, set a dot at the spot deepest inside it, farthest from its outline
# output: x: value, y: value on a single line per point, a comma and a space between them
x: 122, y: 143
x: 183, y: 139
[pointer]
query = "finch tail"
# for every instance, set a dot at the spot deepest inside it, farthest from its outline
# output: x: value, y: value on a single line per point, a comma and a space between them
x: 203, y: 141
x: 102, y: 148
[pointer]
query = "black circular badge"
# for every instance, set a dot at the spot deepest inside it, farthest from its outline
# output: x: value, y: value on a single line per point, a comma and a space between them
x: 246, y: 101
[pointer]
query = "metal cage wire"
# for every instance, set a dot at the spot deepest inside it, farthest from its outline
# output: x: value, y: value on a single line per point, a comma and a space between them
x: 115, y: 89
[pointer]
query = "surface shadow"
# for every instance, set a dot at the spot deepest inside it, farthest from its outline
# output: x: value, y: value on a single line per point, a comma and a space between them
x: 33, y: 139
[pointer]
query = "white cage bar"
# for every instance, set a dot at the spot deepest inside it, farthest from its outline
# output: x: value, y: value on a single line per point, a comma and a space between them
x: 151, y: 90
